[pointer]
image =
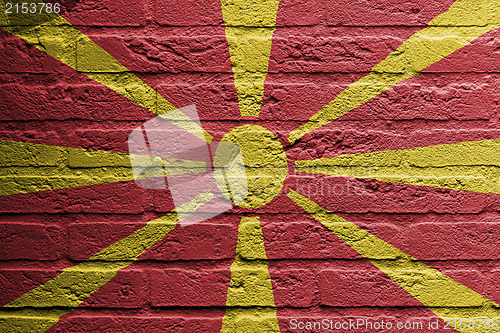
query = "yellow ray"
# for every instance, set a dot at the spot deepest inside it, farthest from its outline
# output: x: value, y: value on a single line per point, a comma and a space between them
x: 29, y: 167
x: 75, y: 284
x: 438, y: 292
x: 250, y: 25
x: 465, y: 21
x: 52, y: 34
x: 250, y: 299
x: 468, y: 166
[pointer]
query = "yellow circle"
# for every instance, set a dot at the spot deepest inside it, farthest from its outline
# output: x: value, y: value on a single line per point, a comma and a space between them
x: 250, y: 166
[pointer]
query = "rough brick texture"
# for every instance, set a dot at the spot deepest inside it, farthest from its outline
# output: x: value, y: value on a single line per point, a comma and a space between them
x: 289, y: 64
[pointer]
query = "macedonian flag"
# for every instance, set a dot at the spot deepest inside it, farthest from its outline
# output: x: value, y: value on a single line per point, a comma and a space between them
x: 249, y: 166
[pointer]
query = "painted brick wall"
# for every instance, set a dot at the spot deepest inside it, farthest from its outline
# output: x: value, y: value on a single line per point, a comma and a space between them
x: 404, y: 228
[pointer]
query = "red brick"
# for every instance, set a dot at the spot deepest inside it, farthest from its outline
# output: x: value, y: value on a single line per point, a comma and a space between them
x: 297, y: 51
x: 345, y: 54
x: 349, y: 195
x: 15, y: 282
x: 170, y: 53
x: 311, y: 240
x: 161, y: 201
x: 189, y: 288
x: 287, y: 239
x: 326, y: 143
x: 496, y: 283
x: 479, y: 56
x: 453, y: 241
x: 293, y: 287
x: 200, y: 241
x: 153, y: 323
x: 343, y: 140
x: 31, y: 241
x: 104, y: 139
x: 324, y: 54
x: 346, y: 288
x: 213, y: 101
x: 67, y: 101
x: 291, y: 100
x: 385, y: 12
x: 113, y: 140
x: 416, y: 98
x: 188, y: 12
x: 20, y: 57
x: 121, y: 197
x: 106, y: 13
x: 89, y: 238
x: 298, y: 12
x: 470, y: 277
x: 126, y: 290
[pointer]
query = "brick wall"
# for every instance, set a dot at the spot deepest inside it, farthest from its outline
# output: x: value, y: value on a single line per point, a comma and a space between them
x: 54, y: 214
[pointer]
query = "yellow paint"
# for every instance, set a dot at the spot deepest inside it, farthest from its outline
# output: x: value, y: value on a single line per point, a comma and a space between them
x: 441, y: 294
x: 468, y: 166
x: 250, y: 300
x: 265, y: 163
x: 249, y: 29
x: 75, y: 284
x: 29, y: 167
x: 29, y: 320
x: 52, y: 34
x: 229, y: 172
x: 448, y: 32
